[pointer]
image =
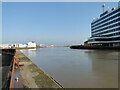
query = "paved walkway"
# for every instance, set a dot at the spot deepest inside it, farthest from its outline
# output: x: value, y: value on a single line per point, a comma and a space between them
x: 33, y: 76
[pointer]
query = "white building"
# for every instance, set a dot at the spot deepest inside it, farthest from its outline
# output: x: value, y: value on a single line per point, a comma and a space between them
x: 6, y: 46
x: 22, y: 45
x: 31, y: 44
x: 105, y: 30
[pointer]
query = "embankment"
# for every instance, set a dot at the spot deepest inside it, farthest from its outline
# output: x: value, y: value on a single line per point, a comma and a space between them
x: 33, y: 76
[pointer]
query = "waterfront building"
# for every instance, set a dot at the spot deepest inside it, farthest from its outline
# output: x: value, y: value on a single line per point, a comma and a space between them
x: 31, y: 44
x: 22, y: 45
x: 9, y: 46
x: 4, y: 46
x: 105, y: 30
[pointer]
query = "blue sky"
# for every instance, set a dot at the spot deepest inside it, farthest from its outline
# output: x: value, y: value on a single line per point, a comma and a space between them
x: 0, y: 22
x: 60, y: 23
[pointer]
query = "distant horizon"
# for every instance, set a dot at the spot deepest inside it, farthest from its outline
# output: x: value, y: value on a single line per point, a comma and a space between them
x: 46, y: 44
x: 57, y: 23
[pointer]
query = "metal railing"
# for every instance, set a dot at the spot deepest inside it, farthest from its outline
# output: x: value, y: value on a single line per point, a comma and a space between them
x: 16, y: 79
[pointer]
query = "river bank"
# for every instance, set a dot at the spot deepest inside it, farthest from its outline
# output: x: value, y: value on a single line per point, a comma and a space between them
x: 33, y: 76
x: 78, y: 68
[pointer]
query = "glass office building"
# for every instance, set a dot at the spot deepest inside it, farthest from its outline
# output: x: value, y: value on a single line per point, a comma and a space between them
x: 105, y: 30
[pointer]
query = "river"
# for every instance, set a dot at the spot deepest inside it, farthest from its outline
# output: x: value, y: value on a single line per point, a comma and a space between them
x: 75, y: 68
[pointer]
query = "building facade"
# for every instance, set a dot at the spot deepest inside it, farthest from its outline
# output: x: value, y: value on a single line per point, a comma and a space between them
x: 28, y: 45
x: 105, y: 30
x: 22, y: 46
x: 31, y: 44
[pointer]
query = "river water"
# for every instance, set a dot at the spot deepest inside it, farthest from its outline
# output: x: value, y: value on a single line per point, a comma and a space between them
x: 75, y: 68
x: 0, y: 69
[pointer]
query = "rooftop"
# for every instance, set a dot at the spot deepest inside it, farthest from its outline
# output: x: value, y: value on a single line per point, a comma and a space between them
x: 104, y: 14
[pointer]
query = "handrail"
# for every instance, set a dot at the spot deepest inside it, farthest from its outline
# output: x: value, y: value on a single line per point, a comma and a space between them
x: 16, y: 79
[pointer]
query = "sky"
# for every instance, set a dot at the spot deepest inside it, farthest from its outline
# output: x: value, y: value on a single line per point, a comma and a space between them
x: 58, y: 23
x: 0, y: 22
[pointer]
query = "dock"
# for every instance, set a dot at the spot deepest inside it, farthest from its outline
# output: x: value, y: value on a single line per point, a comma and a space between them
x: 33, y: 76
x: 18, y: 71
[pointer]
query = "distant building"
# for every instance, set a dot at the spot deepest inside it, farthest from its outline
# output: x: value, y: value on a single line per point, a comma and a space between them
x: 42, y: 45
x: 4, y: 45
x: 105, y: 30
x: 22, y: 45
x: 16, y: 45
x: 31, y: 44
x: 7, y: 45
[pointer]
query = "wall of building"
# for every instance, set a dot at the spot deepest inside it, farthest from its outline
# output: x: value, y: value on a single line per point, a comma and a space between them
x: 106, y: 28
x: 31, y: 44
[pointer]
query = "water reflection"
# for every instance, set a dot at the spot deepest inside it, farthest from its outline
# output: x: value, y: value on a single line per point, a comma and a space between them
x: 104, y: 67
x: 0, y: 70
x: 0, y: 78
x: 79, y: 68
x: 32, y: 52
